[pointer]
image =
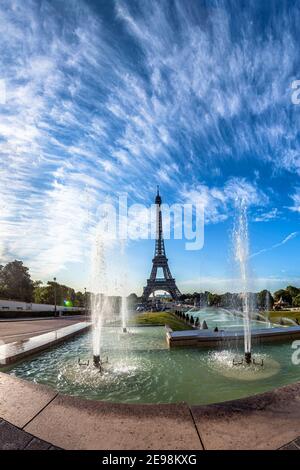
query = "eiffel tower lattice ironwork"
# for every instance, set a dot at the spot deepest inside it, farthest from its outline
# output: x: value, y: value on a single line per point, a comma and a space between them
x: 167, y: 282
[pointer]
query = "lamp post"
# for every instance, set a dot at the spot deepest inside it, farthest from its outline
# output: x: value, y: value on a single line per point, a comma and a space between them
x: 55, y: 309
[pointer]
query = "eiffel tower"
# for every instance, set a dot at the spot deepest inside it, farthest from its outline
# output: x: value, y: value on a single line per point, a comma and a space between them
x: 166, y: 283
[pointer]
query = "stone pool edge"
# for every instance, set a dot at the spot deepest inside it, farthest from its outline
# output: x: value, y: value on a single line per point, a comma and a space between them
x: 266, y: 421
x: 208, y: 338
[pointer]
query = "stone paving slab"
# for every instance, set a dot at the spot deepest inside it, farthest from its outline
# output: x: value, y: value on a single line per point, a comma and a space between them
x: 74, y: 423
x: 297, y: 442
x: 13, y: 438
x: 37, y: 444
x: 290, y: 446
x: 266, y: 421
x: 21, y: 400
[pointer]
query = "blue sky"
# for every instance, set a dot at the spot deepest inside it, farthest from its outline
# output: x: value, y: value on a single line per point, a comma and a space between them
x: 114, y: 96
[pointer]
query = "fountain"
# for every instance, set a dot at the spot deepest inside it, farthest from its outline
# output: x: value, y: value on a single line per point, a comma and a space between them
x: 103, y: 307
x: 100, y: 303
x: 124, y: 313
x: 241, y: 240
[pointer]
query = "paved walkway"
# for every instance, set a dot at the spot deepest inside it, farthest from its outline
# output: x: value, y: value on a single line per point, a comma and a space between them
x: 41, y: 416
x: 11, y: 330
x: 13, y: 438
x: 294, y: 445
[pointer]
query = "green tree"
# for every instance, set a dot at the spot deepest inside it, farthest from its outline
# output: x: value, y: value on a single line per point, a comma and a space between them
x: 43, y: 294
x: 46, y: 294
x: 79, y: 299
x: 15, y: 282
x: 293, y: 291
x: 265, y: 300
x: 37, y: 284
x: 2, y: 285
x: 284, y: 294
x: 296, y: 301
x: 214, y: 299
x: 183, y: 297
x: 132, y: 300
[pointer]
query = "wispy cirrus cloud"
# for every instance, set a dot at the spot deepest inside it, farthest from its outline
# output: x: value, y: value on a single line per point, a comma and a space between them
x: 219, y: 202
x: 289, y: 237
x: 296, y: 201
x: 103, y: 100
x: 209, y: 81
x: 267, y: 216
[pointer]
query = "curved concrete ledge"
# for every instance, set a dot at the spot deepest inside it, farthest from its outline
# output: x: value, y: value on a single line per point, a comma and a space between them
x: 266, y: 421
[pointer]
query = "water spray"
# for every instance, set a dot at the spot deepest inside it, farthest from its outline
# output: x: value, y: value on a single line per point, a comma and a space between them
x: 241, y: 245
x: 98, y: 363
x: 247, y: 360
x: 85, y: 364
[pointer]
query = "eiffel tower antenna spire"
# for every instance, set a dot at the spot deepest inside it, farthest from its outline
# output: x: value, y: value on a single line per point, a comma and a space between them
x: 167, y: 282
x: 158, y: 198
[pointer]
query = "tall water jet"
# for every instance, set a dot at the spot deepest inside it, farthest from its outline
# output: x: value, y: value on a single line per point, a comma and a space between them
x: 124, y: 313
x: 241, y: 240
x: 99, y: 301
x: 100, y: 305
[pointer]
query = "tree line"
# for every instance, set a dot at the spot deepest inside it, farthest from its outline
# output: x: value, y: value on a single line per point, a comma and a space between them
x: 16, y: 284
x: 262, y: 300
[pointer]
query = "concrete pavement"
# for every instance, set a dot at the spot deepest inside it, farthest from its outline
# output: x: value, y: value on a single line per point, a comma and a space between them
x: 11, y: 330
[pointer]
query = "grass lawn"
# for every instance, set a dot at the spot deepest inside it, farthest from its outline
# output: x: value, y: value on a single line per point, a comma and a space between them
x: 275, y: 316
x: 159, y: 318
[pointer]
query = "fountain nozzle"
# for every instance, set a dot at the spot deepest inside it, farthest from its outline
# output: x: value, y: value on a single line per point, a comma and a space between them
x: 86, y: 364
x: 97, y: 361
x: 248, y: 359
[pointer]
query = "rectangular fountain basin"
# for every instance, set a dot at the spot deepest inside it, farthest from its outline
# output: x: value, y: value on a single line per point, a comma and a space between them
x: 210, y: 338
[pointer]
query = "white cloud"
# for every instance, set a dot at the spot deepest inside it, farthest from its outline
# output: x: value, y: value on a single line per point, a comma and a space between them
x: 219, y: 202
x: 240, y: 189
x: 296, y: 201
x: 82, y: 119
x: 268, y: 216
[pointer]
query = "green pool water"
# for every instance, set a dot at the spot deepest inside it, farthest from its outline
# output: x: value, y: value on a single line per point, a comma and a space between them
x: 226, y: 319
x: 141, y: 369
